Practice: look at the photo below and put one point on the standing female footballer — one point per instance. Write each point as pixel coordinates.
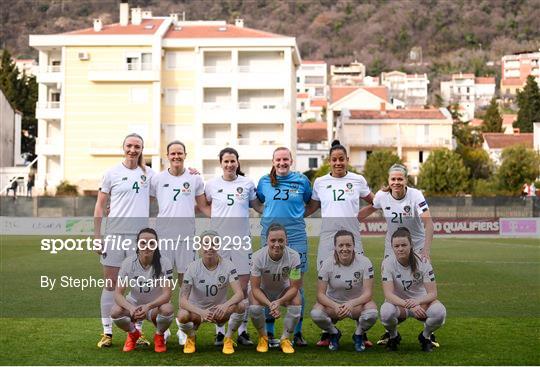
(127, 185)
(345, 289)
(409, 290)
(203, 296)
(403, 206)
(230, 196)
(150, 297)
(275, 282)
(177, 191)
(338, 194)
(284, 194)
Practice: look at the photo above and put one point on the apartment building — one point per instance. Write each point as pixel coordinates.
(207, 83)
(27, 66)
(411, 134)
(311, 88)
(469, 92)
(411, 89)
(516, 68)
(347, 74)
(495, 143)
(313, 146)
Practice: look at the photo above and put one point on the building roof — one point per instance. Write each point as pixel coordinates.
(311, 132)
(147, 27)
(501, 140)
(379, 91)
(484, 80)
(512, 81)
(313, 62)
(217, 31)
(302, 95)
(337, 93)
(318, 103)
(428, 114)
(463, 76)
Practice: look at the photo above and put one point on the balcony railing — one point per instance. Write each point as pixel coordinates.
(259, 141)
(129, 71)
(260, 69)
(215, 141)
(49, 105)
(261, 106)
(217, 69)
(53, 69)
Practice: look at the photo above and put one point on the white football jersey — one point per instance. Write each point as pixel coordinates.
(129, 191)
(275, 274)
(230, 205)
(403, 213)
(406, 284)
(131, 268)
(176, 200)
(345, 282)
(209, 287)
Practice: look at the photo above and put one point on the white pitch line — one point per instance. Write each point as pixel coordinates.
(488, 262)
(504, 244)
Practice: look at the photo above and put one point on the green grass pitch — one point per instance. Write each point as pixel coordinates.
(491, 289)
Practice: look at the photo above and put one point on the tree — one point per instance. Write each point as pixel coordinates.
(377, 165)
(477, 161)
(325, 168)
(519, 165)
(492, 119)
(443, 173)
(467, 135)
(529, 106)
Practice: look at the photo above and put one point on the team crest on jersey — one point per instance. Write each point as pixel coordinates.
(186, 188)
(221, 279)
(285, 271)
(357, 274)
(417, 276)
(239, 190)
(143, 178)
(349, 185)
(186, 185)
(407, 209)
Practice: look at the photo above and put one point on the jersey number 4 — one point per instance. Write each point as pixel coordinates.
(278, 196)
(135, 187)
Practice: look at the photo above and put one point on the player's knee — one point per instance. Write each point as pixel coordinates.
(117, 312)
(317, 314)
(240, 307)
(184, 317)
(436, 314)
(388, 313)
(166, 309)
(369, 316)
(294, 311)
(256, 311)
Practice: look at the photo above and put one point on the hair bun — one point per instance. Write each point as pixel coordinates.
(335, 142)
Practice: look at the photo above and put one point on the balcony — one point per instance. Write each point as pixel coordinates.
(374, 142)
(258, 148)
(51, 74)
(271, 112)
(250, 77)
(49, 146)
(421, 142)
(48, 110)
(218, 76)
(214, 112)
(127, 72)
(105, 147)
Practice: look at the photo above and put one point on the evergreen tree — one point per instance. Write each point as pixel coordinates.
(529, 106)
(376, 169)
(492, 119)
(519, 165)
(443, 173)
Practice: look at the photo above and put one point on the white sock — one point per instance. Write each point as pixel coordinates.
(187, 328)
(290, 321)
(220, 329)
(243, 325)
(389, 318)
(107, 302)
(321, 319)
(138, 325)
(257, 317)
(366, 321)
(234, 322)
(163, 323)
(125, 324)
(436, 315)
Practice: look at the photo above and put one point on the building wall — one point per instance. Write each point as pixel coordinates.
(7, 128)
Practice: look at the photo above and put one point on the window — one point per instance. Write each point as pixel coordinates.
(298, 79)
(312, 163)
(314, 80)
(421, 156)
(180, 60)
(319, 92)
(179, 97)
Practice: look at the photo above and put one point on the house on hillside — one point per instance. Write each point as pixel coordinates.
(516, 68)
(494, 143)
(411, 134)
(311, 88)
(312, 146)
(347, 74)
(207, 83)
(412, 89)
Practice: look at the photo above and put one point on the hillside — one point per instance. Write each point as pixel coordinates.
(454, 35)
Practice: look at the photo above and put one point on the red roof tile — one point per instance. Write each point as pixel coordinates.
(432, 114)
(337, 93)
(213, 31)
(512, 81)
(318, 103)
(484, 80)
(311, 132)
(117, 29)
(500, 140)
(381, 92)
(301, 95)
